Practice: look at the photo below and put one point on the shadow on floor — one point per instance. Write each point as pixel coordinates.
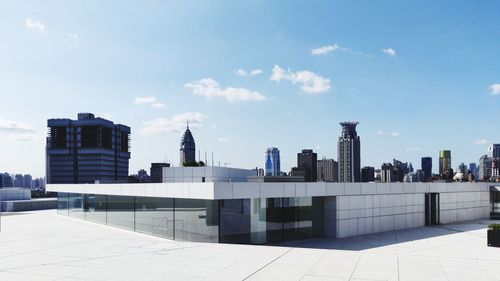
(369, 241)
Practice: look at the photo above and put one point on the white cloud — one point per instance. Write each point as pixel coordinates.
(256, 72)
(380, 133)
(326, 49)
(159, 105)
(72, 35)
(481, 142)
(34, 24)
(241, 72)
(175, 124)
(395, 134)
(144, 100)
(224, 139)
(311, 82)
(15, 127)
(390, 52)
(210, 88)
(495, 89)
(25, 137)
(413, 149)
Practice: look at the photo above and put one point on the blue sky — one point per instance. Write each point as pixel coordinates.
(419, 76)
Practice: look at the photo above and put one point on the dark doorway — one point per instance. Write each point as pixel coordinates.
(431, 209)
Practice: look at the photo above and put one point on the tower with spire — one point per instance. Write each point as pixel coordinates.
(188, 147)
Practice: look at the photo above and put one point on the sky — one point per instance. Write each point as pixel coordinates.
(419, 77)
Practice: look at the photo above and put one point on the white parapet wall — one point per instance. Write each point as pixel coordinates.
(394, 206)
(350, 209)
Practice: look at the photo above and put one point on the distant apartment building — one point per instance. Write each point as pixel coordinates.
(328, 170)
(156, 171)
(485, 168)
(27, 181)
(272, 162)
(87, 150)
(368, 174)
(349, 152)
(426, 166)
(445, 170)
(18, 180)
(307, 165)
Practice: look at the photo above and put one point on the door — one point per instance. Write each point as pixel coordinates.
(431, 209)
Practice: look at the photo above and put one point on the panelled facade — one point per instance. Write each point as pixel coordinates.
(87, 150)
(263, 213)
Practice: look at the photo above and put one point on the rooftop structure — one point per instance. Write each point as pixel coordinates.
(86, 150)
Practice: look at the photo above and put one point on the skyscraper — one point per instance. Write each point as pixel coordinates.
(86, 150)
(18, 180)
(427, 168)
(485, 164)
(188, 148)
(328, 170)
(494, 150)
(349, 153)
(273, 162)
(445, 170)
(27, 181)
(307, 160)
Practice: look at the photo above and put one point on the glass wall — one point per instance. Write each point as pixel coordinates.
(242, 221)
(271, 220)
(62, 203)
(75, 205)
(120, 211)
(155, 216)
(235, 221)
(196, 220)
(95, 208)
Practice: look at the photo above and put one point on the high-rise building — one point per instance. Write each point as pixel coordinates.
(402, 169)
(27, 181)
(349, 153)
(87, 150)
(494, 150)
(328, 170)
(427, 168)
(18, 180)
(307, 160)
(368, 174)
(389, 173)
(156, 171)
(445, 170)
(6, 180)
(485, 168)
(273, 162)
(474, 170)
(462, 168)
(188, 148)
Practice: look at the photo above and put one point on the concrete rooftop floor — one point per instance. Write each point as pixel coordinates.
(44, 246)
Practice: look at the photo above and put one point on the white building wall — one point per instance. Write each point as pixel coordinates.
(211, 174)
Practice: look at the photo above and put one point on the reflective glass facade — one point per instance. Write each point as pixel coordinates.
(242, 221)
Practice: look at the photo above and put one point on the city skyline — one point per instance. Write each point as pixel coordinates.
(414, 89)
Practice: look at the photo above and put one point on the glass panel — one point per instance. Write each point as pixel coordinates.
(121, 211)
(258, 220)
(196, 220)
(75, 203)
(95, 208)
(62, 203)
(155, 216)
(303, 218)
(235, 221)
(274, 222)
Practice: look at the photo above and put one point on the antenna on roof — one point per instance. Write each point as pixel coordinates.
(187, 122)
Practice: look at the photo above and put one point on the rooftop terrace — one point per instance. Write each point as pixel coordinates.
(44, 246)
